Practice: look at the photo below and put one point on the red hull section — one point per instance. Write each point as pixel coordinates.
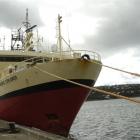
(52, 111)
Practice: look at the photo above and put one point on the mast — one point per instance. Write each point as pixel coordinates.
(17, 36)
(59, 35)
(4, 43)
(27, 24)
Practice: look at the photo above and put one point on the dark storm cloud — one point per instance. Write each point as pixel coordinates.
(12, 13)
(119, 27)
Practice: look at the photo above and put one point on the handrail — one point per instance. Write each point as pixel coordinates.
(50, 57)
(71, 53)
(66, 54)
(93, 55)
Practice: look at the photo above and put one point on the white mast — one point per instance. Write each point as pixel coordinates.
(59, 35)
(27, 20)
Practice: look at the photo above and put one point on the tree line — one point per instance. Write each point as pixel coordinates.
(129, 90)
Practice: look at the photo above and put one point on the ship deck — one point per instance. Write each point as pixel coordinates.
(17, 132)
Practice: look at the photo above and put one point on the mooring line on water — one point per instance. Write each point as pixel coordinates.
(88, 87)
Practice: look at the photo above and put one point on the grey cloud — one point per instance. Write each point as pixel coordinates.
(119, 28)
(12, 13)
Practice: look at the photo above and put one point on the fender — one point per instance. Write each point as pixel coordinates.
(85, 56)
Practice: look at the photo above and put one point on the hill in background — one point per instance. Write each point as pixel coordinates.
(129, 90)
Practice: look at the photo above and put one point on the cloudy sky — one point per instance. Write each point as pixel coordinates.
(109, 27)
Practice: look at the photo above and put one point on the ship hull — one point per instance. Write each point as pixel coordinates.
(52, 110)
(34, 99)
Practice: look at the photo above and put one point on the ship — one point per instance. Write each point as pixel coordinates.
(30, 97)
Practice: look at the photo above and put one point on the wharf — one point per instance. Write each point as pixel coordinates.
(11, 131)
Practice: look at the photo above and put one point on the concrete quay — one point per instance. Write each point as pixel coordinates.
(11, 131)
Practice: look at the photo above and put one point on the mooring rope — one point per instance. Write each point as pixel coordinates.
(128, 72)
(88, 87)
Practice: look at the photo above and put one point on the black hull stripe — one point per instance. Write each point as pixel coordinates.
(47, 87)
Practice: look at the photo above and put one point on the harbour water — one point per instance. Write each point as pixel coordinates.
(107, 120)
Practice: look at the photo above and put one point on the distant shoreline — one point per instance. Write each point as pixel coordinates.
(129, 90)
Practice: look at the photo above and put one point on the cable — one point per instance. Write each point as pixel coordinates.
(88, 87)
(131, 73)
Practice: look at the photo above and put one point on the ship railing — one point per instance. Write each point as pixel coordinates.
(76, 54)
(51, 56)
(91, 54)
